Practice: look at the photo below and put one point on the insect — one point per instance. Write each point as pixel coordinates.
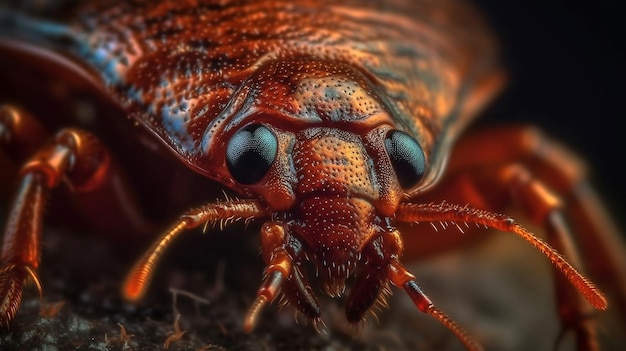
(334, 123)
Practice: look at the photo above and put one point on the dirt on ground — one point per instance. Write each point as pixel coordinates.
(499, 291)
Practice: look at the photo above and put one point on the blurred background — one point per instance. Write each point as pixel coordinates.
(567, 61)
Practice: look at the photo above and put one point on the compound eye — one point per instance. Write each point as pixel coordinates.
(407, 158)
(250, 153)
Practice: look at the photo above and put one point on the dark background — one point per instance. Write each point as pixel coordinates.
(567, 63)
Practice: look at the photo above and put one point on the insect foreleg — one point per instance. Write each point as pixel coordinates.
(74, 156)
(403, 279)
(520, 167)
(279, 266)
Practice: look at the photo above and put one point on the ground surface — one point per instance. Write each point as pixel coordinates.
(499, 291)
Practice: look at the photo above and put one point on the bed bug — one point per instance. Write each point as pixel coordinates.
(334, 123)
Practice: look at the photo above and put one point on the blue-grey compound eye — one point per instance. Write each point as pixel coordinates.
(250, 153)
(407, 158)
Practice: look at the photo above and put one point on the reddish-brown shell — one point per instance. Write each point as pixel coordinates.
(192, 71)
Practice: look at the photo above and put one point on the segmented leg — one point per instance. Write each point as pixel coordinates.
(564, 176)
(279, 267)
(547, 209)
(110, 207)
(401, 278)
(495, 169)
(282, 254)
(73, 155)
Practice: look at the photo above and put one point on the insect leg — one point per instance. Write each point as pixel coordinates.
(298, 292)
(110, 206)
(371, 285)
(519, 166)
(532, 194)
(601, 245)
(570, 310)
(401, 278)
(279, 266)
(280, 252)
(73, 155)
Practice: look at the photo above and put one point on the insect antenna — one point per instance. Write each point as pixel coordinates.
(448, 212)
(138, 279)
